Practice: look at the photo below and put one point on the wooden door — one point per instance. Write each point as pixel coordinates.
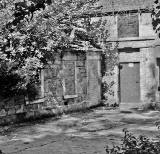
(129, 82)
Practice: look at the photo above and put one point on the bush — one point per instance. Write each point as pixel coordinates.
(135, 145)
(150, 106)
(13, 84)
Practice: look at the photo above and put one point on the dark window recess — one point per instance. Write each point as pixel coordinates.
(128, 50)
(158, 64)
(128, 25)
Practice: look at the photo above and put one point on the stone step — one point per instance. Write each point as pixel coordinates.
(129, 107)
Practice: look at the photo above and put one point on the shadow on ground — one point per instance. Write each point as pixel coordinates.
(78, 133)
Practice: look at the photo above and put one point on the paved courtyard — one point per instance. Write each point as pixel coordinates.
(78, 133)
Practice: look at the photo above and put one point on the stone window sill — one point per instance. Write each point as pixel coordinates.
(41, 100)
(70, 96)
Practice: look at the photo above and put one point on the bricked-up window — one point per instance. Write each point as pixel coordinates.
(128, 25)
(70, 78)
(158, 64)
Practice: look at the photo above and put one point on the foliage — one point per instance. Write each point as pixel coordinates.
(135, 145)
(156, 17)
(33, 32)
(110, 60)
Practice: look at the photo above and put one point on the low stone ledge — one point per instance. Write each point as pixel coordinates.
(46, 113)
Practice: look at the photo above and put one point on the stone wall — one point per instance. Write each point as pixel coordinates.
(72, 83)
(65, 81)
(146, 55)
(149, 73)
(12, 106)
(51, 90)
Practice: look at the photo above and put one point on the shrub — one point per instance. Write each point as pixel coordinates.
(135, 145)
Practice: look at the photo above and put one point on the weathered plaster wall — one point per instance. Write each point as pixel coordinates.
(157, 55)
(145, 25)
(126, 56)
(148, 75)
(156, 49)
(93, 77)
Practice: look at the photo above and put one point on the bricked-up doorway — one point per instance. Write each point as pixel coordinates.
(129, 82)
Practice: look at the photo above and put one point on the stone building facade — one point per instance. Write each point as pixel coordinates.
(137, 77)
(76, 77)
(72, 82)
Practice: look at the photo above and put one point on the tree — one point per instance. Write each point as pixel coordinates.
(34, 31)
(156, 17)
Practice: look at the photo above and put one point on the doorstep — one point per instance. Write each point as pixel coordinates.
(129, 106)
